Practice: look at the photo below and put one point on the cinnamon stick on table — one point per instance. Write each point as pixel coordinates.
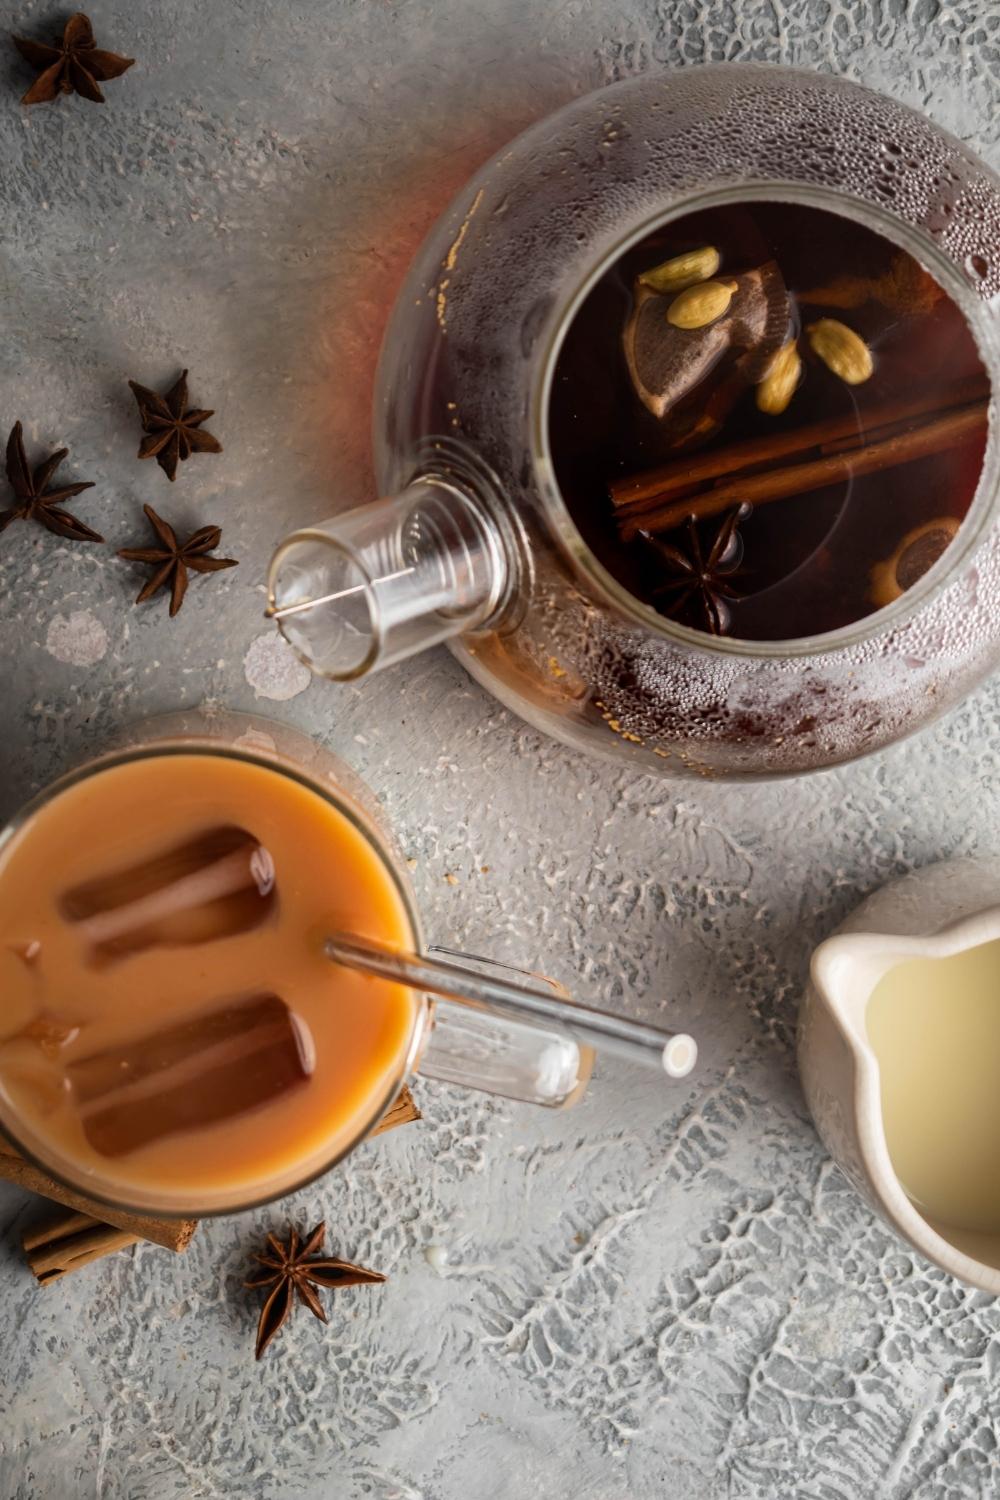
(172, 1234)
(400, 1112)
(91, 1229)
(69, 1242)
(761, 469)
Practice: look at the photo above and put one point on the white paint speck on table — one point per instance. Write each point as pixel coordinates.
(668, 1292)
(273, 670)
(79, 639)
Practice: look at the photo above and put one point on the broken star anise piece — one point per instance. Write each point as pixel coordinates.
(35, 501)
(173, 431)
(289, 1269)
(698, 581)
(172, 559)
(72, 66)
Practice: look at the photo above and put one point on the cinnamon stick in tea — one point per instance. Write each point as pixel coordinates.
(764, 487)
(653, 488)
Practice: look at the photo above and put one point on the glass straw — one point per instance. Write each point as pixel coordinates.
(674, 1052)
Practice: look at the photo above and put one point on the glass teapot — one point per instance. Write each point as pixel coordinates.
(473, 542)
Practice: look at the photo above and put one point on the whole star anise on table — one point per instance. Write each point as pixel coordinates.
(73, 65)
(698, 580)
(173, 431)
(35, 501)
(172, 558)
(295, 1268)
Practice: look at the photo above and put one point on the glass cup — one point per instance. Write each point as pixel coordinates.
(483, 1050)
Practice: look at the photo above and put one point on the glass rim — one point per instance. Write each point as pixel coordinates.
(390, 862)
(985, 503)
(316, 536)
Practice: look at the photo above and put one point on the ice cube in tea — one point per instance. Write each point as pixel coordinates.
(217, 883)
(204, 1071)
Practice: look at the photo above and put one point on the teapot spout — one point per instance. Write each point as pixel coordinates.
(382, 582)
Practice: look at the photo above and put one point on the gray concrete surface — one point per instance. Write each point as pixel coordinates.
(666, 1293)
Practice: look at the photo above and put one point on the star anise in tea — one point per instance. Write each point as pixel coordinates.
(71, 66)
(697, 582)
(296, 1268)
(35, 501)
(173, 429)
(172, 559)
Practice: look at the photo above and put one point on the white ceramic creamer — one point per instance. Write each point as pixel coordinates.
(934, 913)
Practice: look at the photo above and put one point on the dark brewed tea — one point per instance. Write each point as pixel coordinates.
(768, 421)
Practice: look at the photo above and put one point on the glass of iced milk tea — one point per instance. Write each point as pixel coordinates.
(173, 1036)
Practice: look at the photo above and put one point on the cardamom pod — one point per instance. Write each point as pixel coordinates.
(682, 270)
(700, 305)
(841, 350)
(781, 377)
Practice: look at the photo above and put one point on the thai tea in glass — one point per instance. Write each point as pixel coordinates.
(175, 1037)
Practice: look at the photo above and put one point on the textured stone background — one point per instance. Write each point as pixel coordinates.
(669, 1292)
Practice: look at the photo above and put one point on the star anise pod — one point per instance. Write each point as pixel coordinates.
(173, 431)
(35, 501)
(291, 1268)
(172, 558)
(700, 580)
(71, 66)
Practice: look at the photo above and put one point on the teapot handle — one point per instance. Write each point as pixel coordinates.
(367, 588)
